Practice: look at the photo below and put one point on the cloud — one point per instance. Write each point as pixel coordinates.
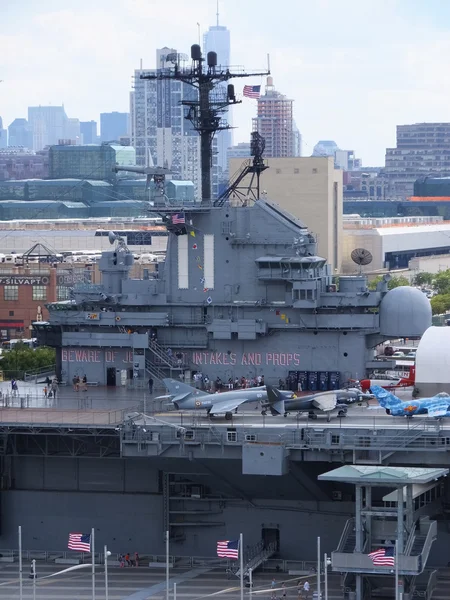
(355, 69)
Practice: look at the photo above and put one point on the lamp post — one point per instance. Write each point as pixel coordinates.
(33, 570)
(326, 564)
(106, 553)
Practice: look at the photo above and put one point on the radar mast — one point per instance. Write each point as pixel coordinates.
(206, 111)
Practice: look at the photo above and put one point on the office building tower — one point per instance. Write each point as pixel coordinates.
(48, 125)
(297, 140)
(88, 130)
(422, 149)
(73, 132)
(325, 148)
(160, 132)
(217, 39)
(3, 135)
(275, 122)
(20, 134)
(113, 125)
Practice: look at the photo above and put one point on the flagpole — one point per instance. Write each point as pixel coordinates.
(241, 557)
(167, 565)
(20, 564)
(318, 568)
(396, 569)
(93, 561)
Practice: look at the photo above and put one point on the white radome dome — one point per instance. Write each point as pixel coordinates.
(433, 357)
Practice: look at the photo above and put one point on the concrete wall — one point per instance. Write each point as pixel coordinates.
(310, 189)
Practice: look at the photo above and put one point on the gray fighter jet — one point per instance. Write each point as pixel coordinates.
(335, 401)
(185, 397)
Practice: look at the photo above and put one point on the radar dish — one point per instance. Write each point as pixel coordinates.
(361, 257)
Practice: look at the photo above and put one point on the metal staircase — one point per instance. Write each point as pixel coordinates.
(160, 365)
(254, 557)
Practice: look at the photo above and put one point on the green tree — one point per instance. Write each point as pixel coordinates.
(393, 283)
(440, 304)
(441, 282)
(424, 279)
(21, 359)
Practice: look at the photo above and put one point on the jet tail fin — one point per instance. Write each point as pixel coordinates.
(177, 388)
(276, 401)
(385, 398)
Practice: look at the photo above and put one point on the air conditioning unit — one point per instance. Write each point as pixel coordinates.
(336, 496)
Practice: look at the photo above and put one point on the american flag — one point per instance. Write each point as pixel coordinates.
(383, 557)
(228, 549)
(252, 91)
(80, 542)
(178, 219)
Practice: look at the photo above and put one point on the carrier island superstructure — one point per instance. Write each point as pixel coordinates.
(241, 292)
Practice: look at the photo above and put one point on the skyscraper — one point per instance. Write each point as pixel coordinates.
(159, 132)
(217, 39)
(422, 149)
(88, 130)
(20, 134)
(48, 125)
(275, 122)
(3, 135)
(113, 125)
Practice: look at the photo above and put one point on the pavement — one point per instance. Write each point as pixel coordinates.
(144, 583)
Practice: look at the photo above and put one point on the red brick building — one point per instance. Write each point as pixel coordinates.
(24, 291)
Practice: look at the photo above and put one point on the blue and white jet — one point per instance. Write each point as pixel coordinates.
(437, 406)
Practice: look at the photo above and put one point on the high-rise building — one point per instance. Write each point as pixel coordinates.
(88, 130)
(297, 140)
(159, 131)
(325, 148)
(275, 122)
(20, 134)
(217, 39)
(113, 125)
(422, 149)
(48, 125)
(3, 135)
(72, 132)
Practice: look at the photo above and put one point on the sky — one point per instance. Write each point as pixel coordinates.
(355, 68)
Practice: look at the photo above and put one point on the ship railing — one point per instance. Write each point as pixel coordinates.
(349, 526)
(432, 582)
(63, 417)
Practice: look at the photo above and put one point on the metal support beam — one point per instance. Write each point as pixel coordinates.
(409, 508)
(358, 519)
(369, 513)
(400, 523)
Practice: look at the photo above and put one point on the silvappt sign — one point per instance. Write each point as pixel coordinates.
(24, 280)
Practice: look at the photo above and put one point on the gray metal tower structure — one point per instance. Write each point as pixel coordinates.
(206, 112)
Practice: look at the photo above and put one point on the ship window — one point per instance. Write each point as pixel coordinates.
(264, 265)
(335, 439)
(231, 436)
(296, 171)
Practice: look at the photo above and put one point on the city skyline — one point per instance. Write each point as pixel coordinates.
(353, 73)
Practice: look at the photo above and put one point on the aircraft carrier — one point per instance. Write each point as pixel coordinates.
(242, 292)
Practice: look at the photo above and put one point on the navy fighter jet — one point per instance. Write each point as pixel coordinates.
(315, 404)
(185, 397)
(437, 406)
